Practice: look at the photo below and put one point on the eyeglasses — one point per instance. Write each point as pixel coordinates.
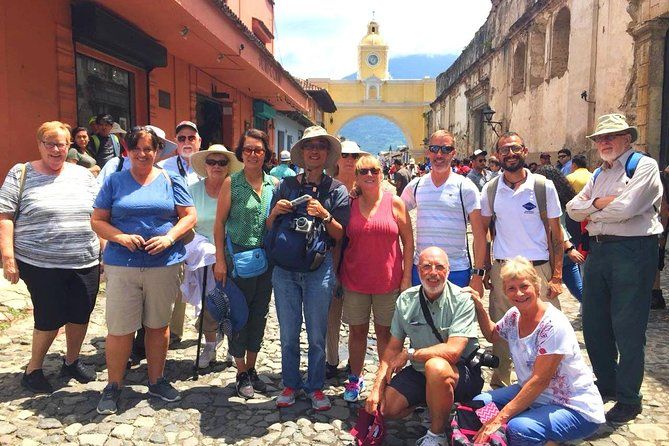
(510, 149)
(182, 138)
(221, 163)
(427, 267)
(253, 150)
(607, 138)
(311, 145)
(366, 170)
(444, 149)
(51, 145)
(355, 156)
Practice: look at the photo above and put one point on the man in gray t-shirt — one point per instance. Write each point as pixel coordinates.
(401, 177)
(479, 175)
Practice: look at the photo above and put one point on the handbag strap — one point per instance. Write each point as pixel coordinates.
(22, 185)
(427, 315)
(464, 217)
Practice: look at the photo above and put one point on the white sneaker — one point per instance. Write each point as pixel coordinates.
(207, 355)
(431, 439)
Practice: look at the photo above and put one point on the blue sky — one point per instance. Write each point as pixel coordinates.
(319, 38)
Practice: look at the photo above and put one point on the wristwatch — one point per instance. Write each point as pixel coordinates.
(410, 353)
(566, 251)
(171, 240)
(327, 219)
(478, 272)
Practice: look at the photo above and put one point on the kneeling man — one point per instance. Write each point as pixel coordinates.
(440, 321)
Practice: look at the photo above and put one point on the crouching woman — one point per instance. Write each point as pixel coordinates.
(555, 398)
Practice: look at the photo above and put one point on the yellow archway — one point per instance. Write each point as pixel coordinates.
(403, 102)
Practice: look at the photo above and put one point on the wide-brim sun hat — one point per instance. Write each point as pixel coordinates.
(313, 132)
(169, 147)
(613, 123)
(116, 128)
(198, 160)
(352, 147)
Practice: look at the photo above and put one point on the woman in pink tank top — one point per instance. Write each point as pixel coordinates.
(374, 268)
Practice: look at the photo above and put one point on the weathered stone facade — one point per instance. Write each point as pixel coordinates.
(548, 68)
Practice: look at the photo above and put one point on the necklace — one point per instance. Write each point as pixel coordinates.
(512, 184)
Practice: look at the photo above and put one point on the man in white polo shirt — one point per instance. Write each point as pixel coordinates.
(445, 202)
(520, 230)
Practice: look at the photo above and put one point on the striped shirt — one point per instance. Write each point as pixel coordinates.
(439, 219)
(53, 229)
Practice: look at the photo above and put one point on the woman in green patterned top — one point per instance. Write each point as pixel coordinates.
(240, 215)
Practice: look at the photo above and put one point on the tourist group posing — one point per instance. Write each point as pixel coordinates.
(331, 244)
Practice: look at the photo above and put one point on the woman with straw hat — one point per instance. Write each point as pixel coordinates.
(214, 165)
(310, 292)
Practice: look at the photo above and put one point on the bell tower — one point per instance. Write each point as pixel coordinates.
(373, 54)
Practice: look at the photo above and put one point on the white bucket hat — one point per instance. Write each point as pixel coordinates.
(169, 147)
(284, 156)
(316, 131)
(198, 160)
(352, 147)
(613, 123)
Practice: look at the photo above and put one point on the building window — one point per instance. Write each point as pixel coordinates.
(537, 56)
(104, 88)
(518, 82)
(281, 139)
(560, 44)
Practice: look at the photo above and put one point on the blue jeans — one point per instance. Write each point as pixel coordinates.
(459, 278)
(540, 423)
(313, 292)
(571, 276)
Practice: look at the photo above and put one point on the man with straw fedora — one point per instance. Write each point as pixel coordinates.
(620, 204)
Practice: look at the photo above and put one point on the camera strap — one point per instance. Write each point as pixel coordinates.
(427, 315)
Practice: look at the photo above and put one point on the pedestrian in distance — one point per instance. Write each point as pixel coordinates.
(103, 145)
(374, 269)
(77, 153)
(564, 158)
(401, 177)
(479, 175)
(579, 175)
(555, 398)
(438, 317)
(283, 169)
(526, 211)
(143, 213)
(620, 203)
(304, 285)
(47, 241)
(445, 203)
(214, 165)
(345, 172)
(243, 206)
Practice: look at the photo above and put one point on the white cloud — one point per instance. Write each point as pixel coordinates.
(319, 38)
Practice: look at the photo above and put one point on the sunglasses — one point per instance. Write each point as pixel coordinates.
(355, 156)
(443, 149)
(316, 146)
(221, 163)
(253, 150)
(509, 149)
(182, 138)
(366, 170)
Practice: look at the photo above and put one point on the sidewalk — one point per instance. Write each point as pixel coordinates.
(210, 414)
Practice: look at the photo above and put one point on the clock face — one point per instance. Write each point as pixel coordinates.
(372, 59)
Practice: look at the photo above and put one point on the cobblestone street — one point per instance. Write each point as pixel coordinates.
(210, 413)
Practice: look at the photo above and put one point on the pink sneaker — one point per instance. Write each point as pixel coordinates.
(319, 401)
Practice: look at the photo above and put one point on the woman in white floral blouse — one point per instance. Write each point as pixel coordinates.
(555, 398)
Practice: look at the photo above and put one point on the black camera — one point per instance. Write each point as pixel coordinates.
(482, 358)
(302, 224)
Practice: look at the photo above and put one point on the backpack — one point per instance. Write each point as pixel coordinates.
(539, 193)
(630, 165)
(297, 241)
(370, 429)
(466, 424)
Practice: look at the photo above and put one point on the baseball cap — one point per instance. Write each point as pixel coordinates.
(478, 152)
(183, 124)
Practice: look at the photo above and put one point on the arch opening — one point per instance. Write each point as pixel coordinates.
(374, 133)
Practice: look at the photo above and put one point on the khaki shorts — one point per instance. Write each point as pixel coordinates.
(141, 296)
(358, 306)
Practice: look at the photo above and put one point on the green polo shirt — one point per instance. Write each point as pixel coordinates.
(453, 314)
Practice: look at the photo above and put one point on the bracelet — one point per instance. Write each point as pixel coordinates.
(568, 250)
(327, 219)
(171, 240)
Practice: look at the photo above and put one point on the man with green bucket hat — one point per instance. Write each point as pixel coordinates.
(620, 204)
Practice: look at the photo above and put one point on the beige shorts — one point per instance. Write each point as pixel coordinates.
(141, 296)
(358, 306)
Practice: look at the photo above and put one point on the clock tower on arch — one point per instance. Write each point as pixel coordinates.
(373, 55)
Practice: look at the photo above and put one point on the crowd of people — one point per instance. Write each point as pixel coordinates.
(317, 230)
